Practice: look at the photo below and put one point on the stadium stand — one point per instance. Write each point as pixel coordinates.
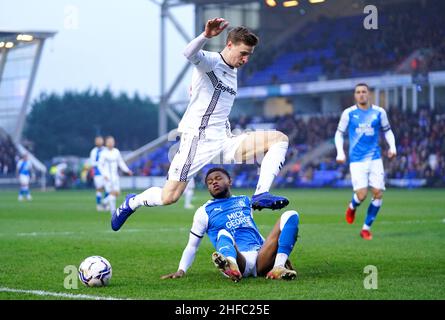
(419, 137)
(327, 48)
(8, 155)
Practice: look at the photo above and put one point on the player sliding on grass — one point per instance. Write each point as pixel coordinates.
(241, 251)
(205, 129)
(365, 122)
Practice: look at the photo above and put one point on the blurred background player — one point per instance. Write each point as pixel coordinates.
(188, 194)
(97, 176)
(109, 162)
(364, 122)
(205, 128)
(241, 250)
(24, 172)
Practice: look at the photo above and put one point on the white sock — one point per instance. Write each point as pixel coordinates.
(188, 195)
(232, 259)
(280, 260)
(112, 202)
(271, 165)
(366, 227)
(152, 197)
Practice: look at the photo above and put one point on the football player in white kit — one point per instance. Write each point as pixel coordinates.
(364, 122)
(205, 129)
(24, 172)
(98, 178)
(109, 162)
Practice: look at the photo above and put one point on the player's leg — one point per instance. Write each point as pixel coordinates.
(99, 185)
(226, 255)
(21, 189)
(377, 183)
(269, 148)
(274, 254)
(193, 154)
(188, 195)
(359, 178)
(24, 187)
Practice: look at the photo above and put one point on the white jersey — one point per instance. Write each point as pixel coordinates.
(213, 91)
(109, 162)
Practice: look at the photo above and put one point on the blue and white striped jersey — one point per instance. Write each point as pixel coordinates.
(364, 127)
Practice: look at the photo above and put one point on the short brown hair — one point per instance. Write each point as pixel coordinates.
(242, 34)
(361, 84)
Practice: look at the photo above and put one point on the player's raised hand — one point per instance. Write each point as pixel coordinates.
(214, 27)
(391, 154)
(177, 274)
(341, 159)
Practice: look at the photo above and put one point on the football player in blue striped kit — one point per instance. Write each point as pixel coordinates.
(24, 171)
(99, 182)
(364, 122)
(241, 251)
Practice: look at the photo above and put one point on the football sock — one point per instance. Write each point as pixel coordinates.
(355, 202)
(270, 166)
(112, 202)
(289, 222)
(188, 195)
(98, 197)
(373, 209)
(224, 245)
(151, 197)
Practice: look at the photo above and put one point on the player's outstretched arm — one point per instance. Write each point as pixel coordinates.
(341, 157)
(188, 256)
(214, 27)
(391, 140)
(174, 275)
(193, 51)
(341, 129)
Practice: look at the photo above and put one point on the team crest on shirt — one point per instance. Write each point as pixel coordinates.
(241, 203)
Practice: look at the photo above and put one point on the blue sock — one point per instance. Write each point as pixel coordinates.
(21, 192)
(355, 202)
(373, 209)
(224, 245)
(98, 197)
(289, 232)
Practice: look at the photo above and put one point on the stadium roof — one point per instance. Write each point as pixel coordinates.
(202, 2)
(12, 35)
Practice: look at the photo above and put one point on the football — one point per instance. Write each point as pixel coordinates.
(95, 271)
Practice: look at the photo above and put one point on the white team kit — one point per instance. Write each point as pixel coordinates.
(205, 129)
(364, 127)
(109, 162)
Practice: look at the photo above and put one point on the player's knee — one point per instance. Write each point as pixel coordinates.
(362, 196)
(378, 194)
(291, 216)
(170, 198)
(280, 137)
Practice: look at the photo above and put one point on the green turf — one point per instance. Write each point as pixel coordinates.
(38, 239)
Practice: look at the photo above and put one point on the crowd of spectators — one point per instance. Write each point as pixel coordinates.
(419, 136)
(8, 155)
(342, 48)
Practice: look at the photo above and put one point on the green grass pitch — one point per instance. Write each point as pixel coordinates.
(39, 238)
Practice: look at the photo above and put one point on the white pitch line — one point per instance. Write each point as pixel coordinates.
(57, 294)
